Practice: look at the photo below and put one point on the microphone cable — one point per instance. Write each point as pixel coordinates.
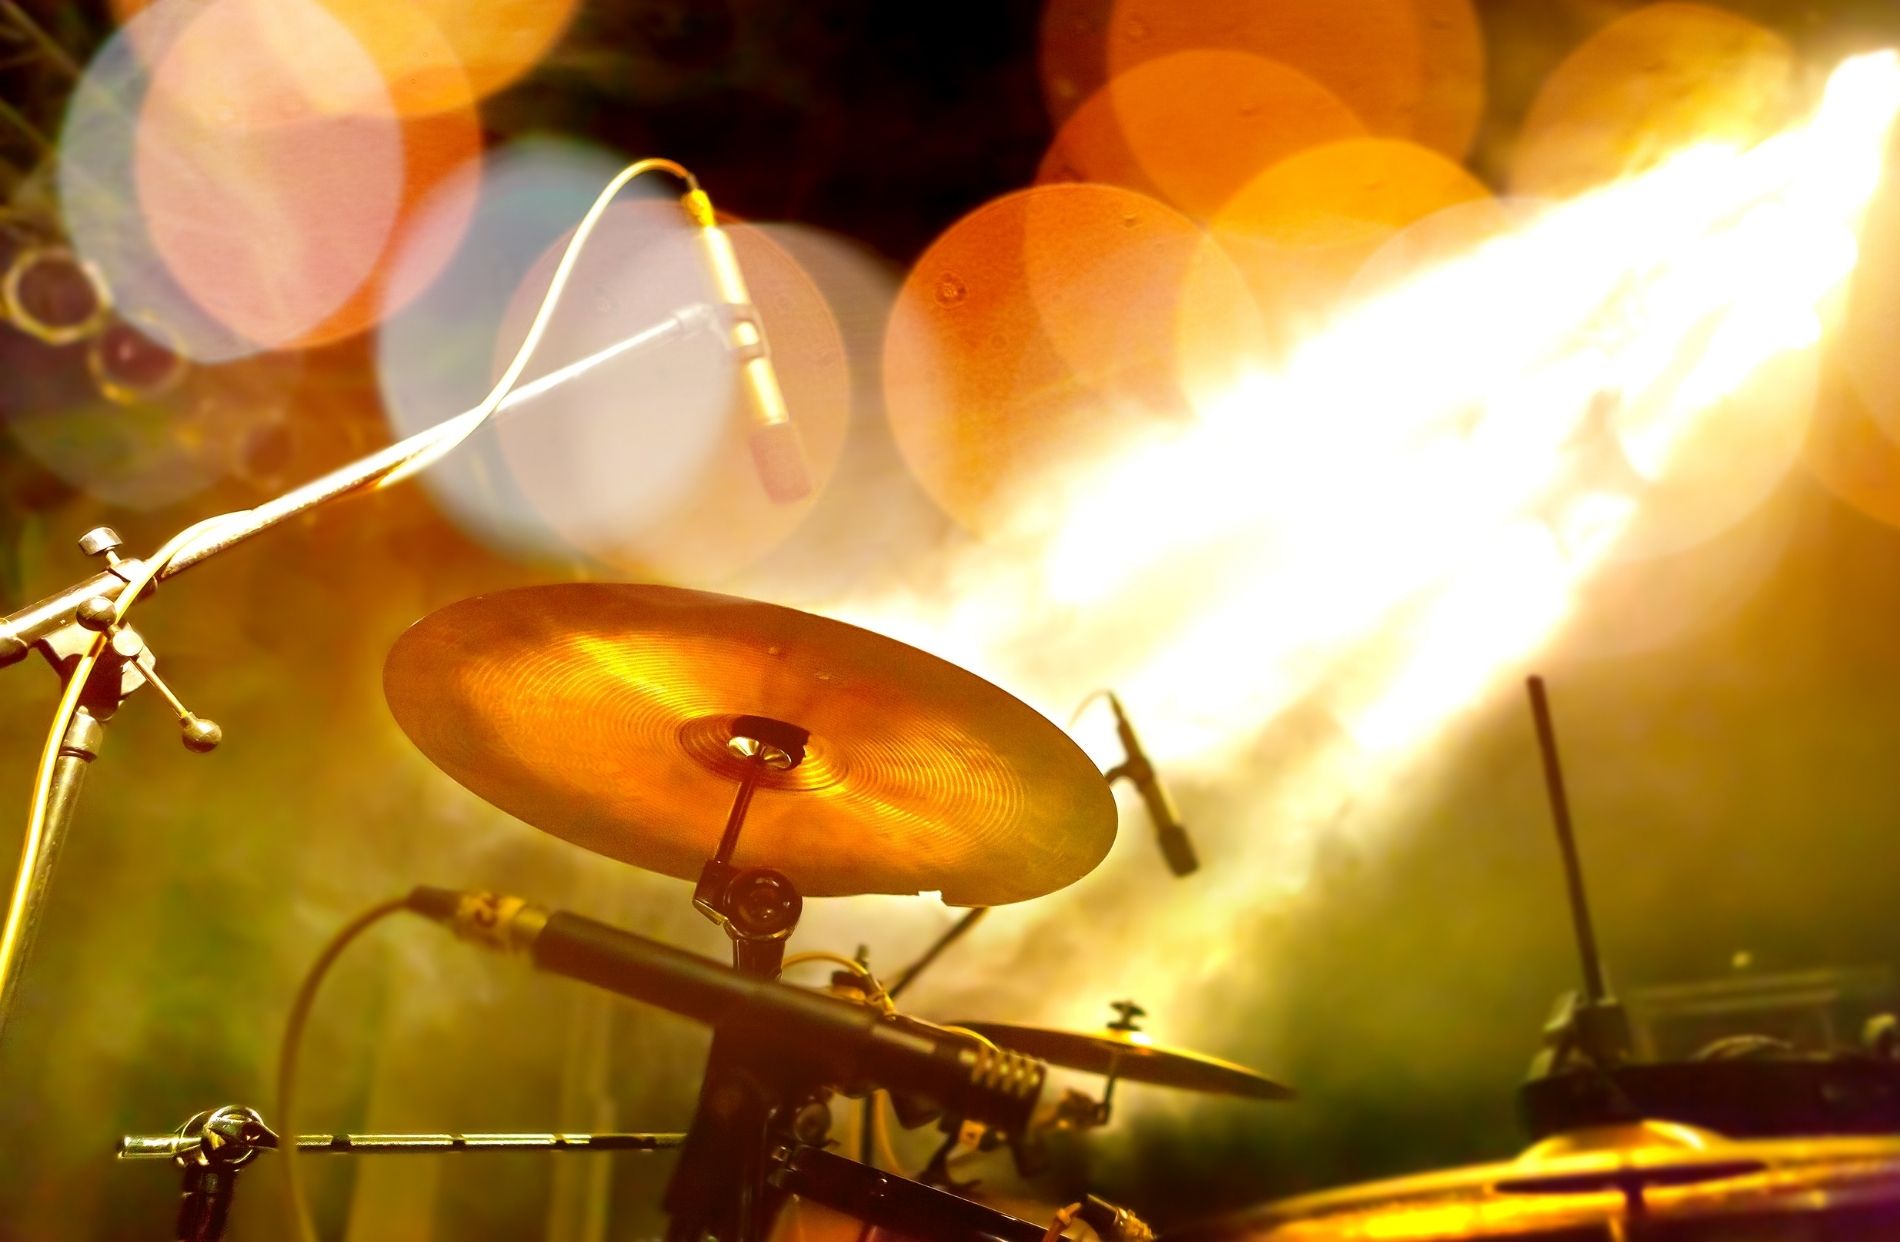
(294, 1024)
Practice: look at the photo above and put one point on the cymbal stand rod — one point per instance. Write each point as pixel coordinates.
(970, 919)
(1595, 989)
(741, 803)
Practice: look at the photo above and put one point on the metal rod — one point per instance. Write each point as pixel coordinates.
(168, 1146)
(1595, 990)
(28, 625)
(741, 802)
(76, 753)
(950, 937)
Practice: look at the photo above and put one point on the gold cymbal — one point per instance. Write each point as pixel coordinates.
(602, 713)
(1132, 1057)
(1692, 1182)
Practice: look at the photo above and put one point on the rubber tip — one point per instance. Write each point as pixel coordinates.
(778, 452)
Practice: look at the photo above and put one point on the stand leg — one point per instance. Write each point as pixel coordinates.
(717, 1185)
(206, 1204)
(76, 753)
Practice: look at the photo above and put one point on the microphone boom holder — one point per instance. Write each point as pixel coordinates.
(214, 1146)
(63, 625)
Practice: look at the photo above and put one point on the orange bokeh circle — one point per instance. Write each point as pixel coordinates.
(1192, 128)
(439, 55)
(1302, 229)
(1407, 68)
(1044, 328)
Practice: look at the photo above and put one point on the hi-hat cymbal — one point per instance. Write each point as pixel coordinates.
(1668, 1180)
(601, 713)
(1131, 1056)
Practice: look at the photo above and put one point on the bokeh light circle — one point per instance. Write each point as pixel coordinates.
(1408, 68)
(239, 196)
(434, 355)
(269, 184)
(1871, 324)
(644, 463)
(1041, 329)
(1648, 84)
(1301, 230)
(1134, 296)
(1192, 128)
(138, 448)
(440, 54)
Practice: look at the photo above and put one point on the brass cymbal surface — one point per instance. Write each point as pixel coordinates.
(602, 713)
(1681, 1182)
(1132, 1057)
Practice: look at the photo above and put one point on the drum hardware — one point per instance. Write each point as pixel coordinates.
(778, 1053)
(1590, 1029)
(1646, 1180)
(914, 1210)
(1584, 1074)
(757, 907)
(1122, 1051)
(213, 1146)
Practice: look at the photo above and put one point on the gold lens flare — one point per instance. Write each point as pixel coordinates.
(1417, 491)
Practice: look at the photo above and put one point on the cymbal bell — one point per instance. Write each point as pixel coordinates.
(1131, 1056)
(606, 714)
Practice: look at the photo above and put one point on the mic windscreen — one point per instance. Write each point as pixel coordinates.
(1178, 850)
(778, 453)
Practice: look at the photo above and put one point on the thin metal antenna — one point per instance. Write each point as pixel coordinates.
(1595, 990)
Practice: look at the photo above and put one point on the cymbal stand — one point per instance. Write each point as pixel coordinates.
(1590, 1026)
(749, 1106)
(213, 1146)
(65, 624)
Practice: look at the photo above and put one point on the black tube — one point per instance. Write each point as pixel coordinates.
(836, 1042)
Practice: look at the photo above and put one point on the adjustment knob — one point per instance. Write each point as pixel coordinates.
(101, 541)
(201, 735)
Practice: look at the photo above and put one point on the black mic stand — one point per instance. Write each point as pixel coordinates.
(63, 626)
(227, 1140)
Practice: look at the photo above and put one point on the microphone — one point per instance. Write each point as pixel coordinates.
(1169, 832)
(837, 1042)
(778, 452)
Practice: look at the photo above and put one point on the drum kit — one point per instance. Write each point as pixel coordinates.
(626, 718)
